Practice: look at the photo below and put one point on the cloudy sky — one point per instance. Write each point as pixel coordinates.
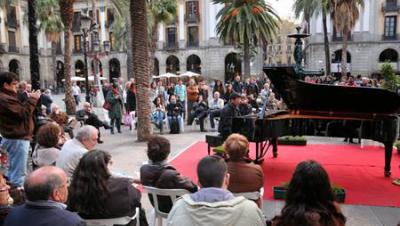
(283, 7)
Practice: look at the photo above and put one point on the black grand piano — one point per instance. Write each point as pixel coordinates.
(323, 110)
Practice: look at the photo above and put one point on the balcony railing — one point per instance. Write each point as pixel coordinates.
(390, 6)
(390, 38)
(13, 49)
(3, 48)
(12, 22)
(192, 18)
(171, 46)
(340, 38)
(193, 44)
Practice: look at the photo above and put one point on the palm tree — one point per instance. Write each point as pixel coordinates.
(345, 14)
(33, 45)
(161, 11)
(246, 23)
(48, 12)
(67, 14)
(307, 8)
(141, 66)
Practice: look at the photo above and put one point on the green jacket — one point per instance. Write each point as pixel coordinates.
(116, 106)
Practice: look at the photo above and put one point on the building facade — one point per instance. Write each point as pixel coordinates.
(375, 39)
(14, 45)
(190, 43)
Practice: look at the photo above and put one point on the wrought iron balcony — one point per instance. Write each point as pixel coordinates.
(391, 37)
(171, 46)
(390, 6)
(192, 18)
(193, 43)
(13, 49)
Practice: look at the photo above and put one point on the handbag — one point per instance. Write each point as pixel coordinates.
(107, 105)
(127, 119)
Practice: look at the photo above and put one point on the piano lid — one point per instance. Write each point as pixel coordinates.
(299, 95)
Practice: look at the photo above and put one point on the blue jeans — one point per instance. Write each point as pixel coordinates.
(17, 159)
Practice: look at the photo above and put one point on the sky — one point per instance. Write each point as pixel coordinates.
(283, 8)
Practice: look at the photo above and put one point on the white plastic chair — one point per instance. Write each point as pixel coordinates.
(174, 194)
(114, 221)
(254, 196)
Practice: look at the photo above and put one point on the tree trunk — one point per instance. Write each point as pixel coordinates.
(33, 45)
(344, 53)
(54, 61)
(130, 54)
(326, 43)
(141, 67)
(246, 60)
(69, 99)
(153, 45)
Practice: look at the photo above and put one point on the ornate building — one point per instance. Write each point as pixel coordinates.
(14, 45)
(190, 43)
(374, 40)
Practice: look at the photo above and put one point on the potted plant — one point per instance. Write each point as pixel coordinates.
(292, 140)
(281, 190)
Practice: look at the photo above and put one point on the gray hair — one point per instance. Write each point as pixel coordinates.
(85, 133)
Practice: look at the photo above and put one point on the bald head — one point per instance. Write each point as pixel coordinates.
(45, 184)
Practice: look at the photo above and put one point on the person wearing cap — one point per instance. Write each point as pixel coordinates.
(229, 111)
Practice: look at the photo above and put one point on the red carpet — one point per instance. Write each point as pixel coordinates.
(359, 171)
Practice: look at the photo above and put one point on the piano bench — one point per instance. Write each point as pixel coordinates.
(213, 141)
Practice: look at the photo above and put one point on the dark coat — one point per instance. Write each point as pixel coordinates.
(225, 124)
(16, 118)
(116, 106)
(122, 201)
(130, 101)
(237, 86)
(91, 119)
(42, 215)
(162, 175)
(46, 101)
(174, 109)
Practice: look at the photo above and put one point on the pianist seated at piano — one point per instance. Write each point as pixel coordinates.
(310, 199)
(245, 176)
(229, 111)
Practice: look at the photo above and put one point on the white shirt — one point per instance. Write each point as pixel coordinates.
(69, 156)
(217, 104)
(76, 91)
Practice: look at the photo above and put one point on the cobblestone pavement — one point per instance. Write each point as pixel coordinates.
(128, 155)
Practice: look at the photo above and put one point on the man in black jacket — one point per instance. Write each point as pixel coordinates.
(227, 113)
(88, 117)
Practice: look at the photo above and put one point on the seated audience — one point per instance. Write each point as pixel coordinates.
(46, 152)
(46, 191)
(158, 113)
(95, 194)
(213, 204)
(310, 200)
(216, 106)
(229, 111)
(245, 176)
(61, 118)
(199, 111)
(174, 113)
(89, 117)
(73, 150)
(158, 173)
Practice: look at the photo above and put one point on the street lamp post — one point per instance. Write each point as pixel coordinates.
(86, 24)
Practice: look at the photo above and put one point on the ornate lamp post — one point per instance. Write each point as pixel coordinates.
(86, 26)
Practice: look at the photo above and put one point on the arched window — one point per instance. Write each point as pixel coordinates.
(389, 55)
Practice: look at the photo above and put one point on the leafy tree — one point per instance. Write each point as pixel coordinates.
(246, 23)
(392, 81)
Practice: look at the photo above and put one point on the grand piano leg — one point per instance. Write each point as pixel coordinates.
(388, 158)
(274, 142)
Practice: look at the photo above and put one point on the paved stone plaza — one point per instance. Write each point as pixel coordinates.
(128, 155)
